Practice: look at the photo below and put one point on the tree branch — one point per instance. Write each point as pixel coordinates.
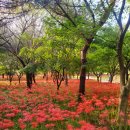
(66, 15)
(91, 12)
(106, 13)
(120, 14)
(56, 19)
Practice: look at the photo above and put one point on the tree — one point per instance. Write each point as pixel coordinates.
(126, 55)
(125, 86)
(106, 39)
(83, 16)
(8, 66)
(86, 18)
(58, 50)
(13, 40)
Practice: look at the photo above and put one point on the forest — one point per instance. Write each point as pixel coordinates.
(64, 65)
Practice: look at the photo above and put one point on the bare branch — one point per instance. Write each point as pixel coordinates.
(106, 13)
(91, 12)
(120, 14)
(56, 19)
(66, 15)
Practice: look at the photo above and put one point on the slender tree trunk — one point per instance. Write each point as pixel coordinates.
(58, 86)
(66, 79)
(19, 77)
(29, 80)
(47, 77)
(123, 107)
(33, 77)
(58, 81)
(124, 90)
(3, 76)
(83, 68)
(98, 77)
(126, 74)
(44, 75)
(111, 78)
(123, 100)
(10, 78)
(7, 77)
(77, 75)
(88, 75)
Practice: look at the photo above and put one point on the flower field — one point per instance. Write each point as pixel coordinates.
(43, 108)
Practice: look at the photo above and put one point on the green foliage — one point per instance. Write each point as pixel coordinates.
(60, 49)
(126, 47)
(101, 59)
(30, 68)
(96, 56)
(25, 37)
(2, 69)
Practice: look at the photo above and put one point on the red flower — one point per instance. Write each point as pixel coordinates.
(70, 127)
(34, 124)
(50, 125)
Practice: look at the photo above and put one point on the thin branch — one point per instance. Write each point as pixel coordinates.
(127, 25)
(56, 19)
(74, 8)
(106, 13)
(91, 12)
(120, 14)
(102, 3)
(66, 15)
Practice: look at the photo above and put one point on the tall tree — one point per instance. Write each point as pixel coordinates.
(83, 16)
(13, 38)
(125, 85)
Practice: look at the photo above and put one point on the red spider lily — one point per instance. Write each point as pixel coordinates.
(22, 126)
(10, 115)
(86, 126)
(49, 125)
(70, 127)
(43, 106)
(34, 124)
(104, 114)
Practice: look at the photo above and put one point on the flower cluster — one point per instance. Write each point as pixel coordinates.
(43, 108)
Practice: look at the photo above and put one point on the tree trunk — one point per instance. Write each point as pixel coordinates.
(77, 76)
(10, 78)
(7, 77)
(3, 76)
(58, 86)
(126, 74)
(47, 77)
(66, 80)
(29, 80)
(124, 91)
(83, 68)
(98, 77)
(33, 77)
(123, 105)
(88, 75)
(111, 78)
(19, 77)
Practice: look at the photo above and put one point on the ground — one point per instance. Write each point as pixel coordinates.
(43, 108)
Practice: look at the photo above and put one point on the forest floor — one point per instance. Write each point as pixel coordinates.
(39, 78)
(45, 108)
